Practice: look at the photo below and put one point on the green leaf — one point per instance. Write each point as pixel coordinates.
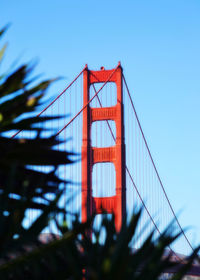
(4, 29)
(2, 51)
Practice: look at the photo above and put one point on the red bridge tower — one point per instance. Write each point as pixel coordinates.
(116, 154)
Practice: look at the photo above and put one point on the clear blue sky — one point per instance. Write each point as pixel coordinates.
(158, 44)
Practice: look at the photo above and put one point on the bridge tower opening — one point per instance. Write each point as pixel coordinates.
(115, 154)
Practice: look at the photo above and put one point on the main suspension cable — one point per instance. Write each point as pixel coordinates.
(110, 76)
(50, 104)
(134, 185)
(151, 158)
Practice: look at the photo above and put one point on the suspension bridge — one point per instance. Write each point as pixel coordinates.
(116, 172)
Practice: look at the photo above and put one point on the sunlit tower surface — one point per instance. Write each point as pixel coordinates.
(115, 204)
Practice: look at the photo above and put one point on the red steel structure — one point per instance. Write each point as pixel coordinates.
(143, 184)
(115, 154)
